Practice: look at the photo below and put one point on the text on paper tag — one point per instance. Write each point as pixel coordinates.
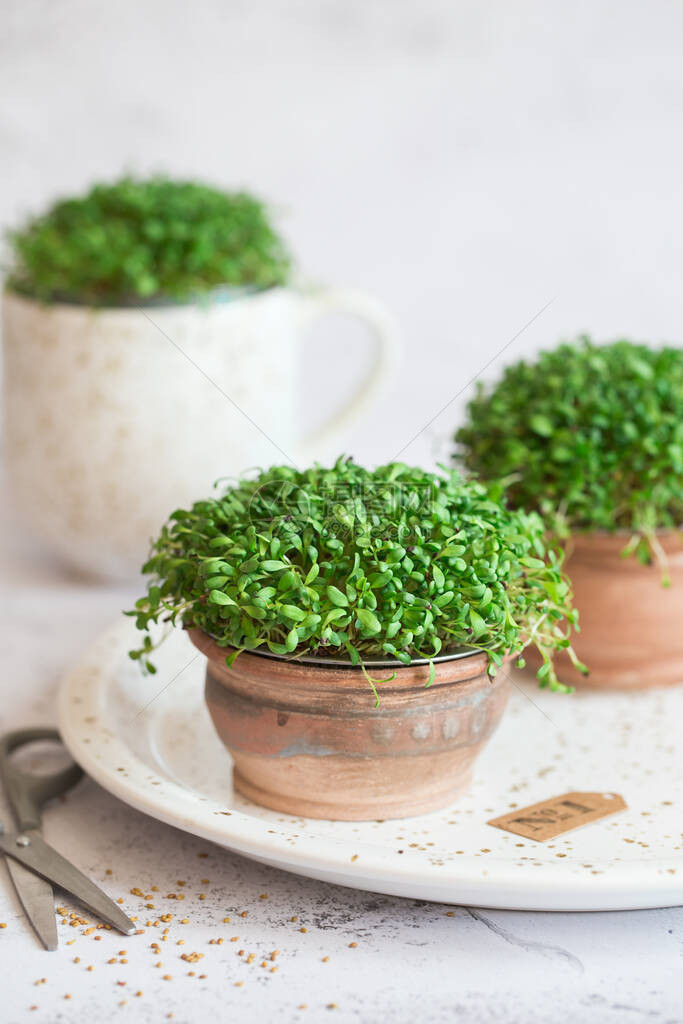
(551, 818)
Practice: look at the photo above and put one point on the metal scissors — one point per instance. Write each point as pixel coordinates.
(34, 866)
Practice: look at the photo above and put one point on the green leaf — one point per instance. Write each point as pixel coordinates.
(218, 597)
(336, 597)
(312, 573)
(541, 425)
(254, 612)
(290, 611)
(215, 582)
(477, 623)
(292, 639)
(368, 620)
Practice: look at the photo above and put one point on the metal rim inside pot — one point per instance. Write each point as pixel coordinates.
(322, 661)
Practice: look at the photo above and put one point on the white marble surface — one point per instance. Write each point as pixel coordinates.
(413, 961)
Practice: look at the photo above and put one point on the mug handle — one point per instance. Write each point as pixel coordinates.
(321, 302)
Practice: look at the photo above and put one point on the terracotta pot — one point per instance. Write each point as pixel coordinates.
(631, 627)
(308, 740)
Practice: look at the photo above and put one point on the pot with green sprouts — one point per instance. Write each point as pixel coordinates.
(591, 436)
(139, 320)
(358, 626)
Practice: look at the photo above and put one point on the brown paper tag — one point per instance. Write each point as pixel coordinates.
(560, 814)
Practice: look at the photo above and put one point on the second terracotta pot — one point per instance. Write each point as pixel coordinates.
(631, 626)
(308, 740)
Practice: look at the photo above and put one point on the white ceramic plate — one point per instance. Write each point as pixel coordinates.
(166, 761)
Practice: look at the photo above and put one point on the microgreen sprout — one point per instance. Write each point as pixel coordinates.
(589, 435)
(395, 563)
(147, 239)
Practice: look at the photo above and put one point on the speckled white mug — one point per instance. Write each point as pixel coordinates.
(116, 416)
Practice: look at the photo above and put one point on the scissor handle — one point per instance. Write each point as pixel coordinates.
(26, 791)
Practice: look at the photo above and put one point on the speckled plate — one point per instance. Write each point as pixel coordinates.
(150, 742)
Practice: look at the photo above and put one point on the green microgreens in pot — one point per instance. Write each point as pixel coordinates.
(147, 239)
(589, 435)
(393, 562)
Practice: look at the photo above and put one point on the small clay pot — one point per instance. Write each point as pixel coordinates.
(308, 740)
(631, 626)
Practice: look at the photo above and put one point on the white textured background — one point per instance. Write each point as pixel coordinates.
(466, 162)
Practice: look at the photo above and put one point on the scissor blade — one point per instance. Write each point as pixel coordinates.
(38, 901)
(38, 856)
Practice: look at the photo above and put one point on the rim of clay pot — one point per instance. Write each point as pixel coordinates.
(454, 654)
(661, 531)
(671, 539)
(222, 295)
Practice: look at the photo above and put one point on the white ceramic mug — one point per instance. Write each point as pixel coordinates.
(117, 416)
